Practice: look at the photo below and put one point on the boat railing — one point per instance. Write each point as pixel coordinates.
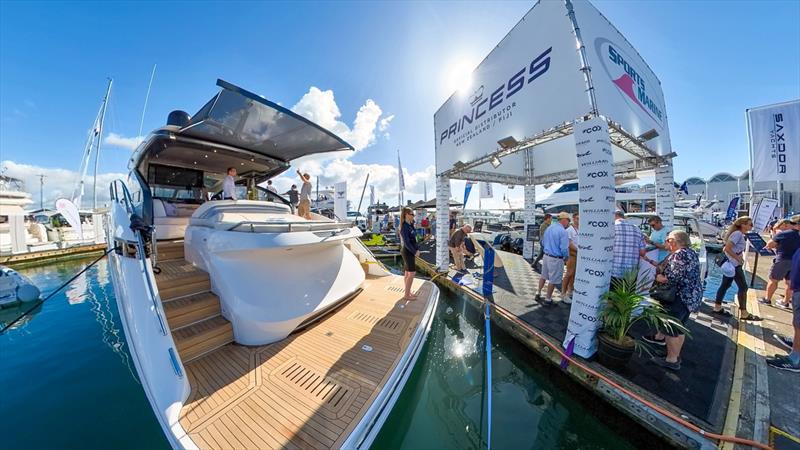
(127, 201)
(287, 227)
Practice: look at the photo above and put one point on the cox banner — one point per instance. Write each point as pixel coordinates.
(775, 141)
(596, 236)
(665, 195)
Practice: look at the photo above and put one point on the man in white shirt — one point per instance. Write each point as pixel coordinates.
(271, 188)
(229, 185)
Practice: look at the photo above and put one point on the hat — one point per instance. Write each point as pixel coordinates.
(619, 212)
(795, 219)
(563, 215)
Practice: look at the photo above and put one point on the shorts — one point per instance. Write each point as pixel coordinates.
(409, 261)
(572, 262)
(780, 270)
(680, 312)
(552, 269)
(303, 208)
(796, 308)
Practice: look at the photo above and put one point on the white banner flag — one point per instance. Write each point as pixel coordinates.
(340, 200)
(486, 190)
(775, 141)
(70, 213)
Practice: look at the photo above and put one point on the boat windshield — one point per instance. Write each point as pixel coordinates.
(245, 120)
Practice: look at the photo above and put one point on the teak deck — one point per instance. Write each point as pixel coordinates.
(311, 389)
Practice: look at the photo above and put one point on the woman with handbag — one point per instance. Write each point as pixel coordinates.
(734, 250)
(681, 293)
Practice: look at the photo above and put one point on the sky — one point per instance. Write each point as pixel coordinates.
(373, 72)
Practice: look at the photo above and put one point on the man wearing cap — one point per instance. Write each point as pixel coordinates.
(785, 242)
(629, 246)
(556, 251)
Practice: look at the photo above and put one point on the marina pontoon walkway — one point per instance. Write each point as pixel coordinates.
(311, 389)
(699, 390)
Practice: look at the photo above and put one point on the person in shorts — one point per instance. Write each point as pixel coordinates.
(791, 362)
(556, 251)
(784, 242)
(409, 251)
(458, 247)
(304, 205)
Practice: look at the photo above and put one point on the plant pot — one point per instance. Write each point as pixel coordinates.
(613, 354)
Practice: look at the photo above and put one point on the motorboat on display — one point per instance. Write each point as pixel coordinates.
(250, 326)
(682, 221)
(18, 234)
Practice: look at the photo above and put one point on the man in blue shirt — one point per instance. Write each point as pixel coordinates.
(784, 243)
(556, 251)
(791, 362)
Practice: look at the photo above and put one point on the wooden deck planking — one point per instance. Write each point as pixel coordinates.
(309, 390)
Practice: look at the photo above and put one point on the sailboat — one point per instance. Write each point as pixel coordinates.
(250, 326)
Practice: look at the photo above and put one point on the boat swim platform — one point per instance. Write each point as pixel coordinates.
(700, 393)
(311, 389)
(37, 258)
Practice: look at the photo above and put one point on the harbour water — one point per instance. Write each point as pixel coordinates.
(68, 382)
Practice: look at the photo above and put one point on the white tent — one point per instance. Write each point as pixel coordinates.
(563, 96)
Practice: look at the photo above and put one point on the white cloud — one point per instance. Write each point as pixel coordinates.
(320, 107)
(115, 140)
(58, 183)
(383, 125)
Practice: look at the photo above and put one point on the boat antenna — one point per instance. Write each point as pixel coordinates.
(41, 190)
(362, 193)
(99, 141)
(146, 97)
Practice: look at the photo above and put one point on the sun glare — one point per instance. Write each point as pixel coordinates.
(459, 76)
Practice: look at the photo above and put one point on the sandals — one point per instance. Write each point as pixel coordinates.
(751, 317)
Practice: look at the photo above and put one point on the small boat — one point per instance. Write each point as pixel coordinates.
(250, 326)
(16, 288)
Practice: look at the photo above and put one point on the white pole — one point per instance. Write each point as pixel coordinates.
(146, 97)
(750, 155)
(99, 140)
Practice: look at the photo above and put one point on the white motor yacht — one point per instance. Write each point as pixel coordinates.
(250, 326)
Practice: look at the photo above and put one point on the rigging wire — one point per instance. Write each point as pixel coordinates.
(49, 296)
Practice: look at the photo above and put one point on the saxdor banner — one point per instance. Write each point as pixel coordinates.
(596, 234)
(775, 141)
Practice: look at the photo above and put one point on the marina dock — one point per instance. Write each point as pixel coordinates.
(49, 256)
(723, 384)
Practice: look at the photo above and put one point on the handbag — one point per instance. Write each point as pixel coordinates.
(720, 259)
(664, 293)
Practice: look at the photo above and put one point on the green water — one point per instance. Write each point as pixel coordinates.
(68, 382)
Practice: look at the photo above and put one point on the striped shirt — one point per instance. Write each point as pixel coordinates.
(628, 241)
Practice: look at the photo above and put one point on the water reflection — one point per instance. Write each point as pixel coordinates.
(100, 299)
(443, 405)
(8, 314)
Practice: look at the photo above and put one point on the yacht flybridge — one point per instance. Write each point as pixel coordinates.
(250, 326)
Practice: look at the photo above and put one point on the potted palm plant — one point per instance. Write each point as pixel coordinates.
(620, 308)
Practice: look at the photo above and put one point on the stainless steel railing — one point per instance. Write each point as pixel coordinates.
(127, 201)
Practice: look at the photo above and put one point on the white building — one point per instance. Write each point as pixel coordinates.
(725, 186)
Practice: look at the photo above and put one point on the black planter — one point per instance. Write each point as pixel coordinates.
(612, 354)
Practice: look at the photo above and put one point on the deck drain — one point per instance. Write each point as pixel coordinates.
(316, 387)
(386, 324)
(395, 289)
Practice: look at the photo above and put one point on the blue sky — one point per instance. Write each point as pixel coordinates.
(714, 59)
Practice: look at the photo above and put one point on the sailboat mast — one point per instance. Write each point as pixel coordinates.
(99, 140)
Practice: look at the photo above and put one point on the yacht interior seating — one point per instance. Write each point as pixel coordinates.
(171, 219)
